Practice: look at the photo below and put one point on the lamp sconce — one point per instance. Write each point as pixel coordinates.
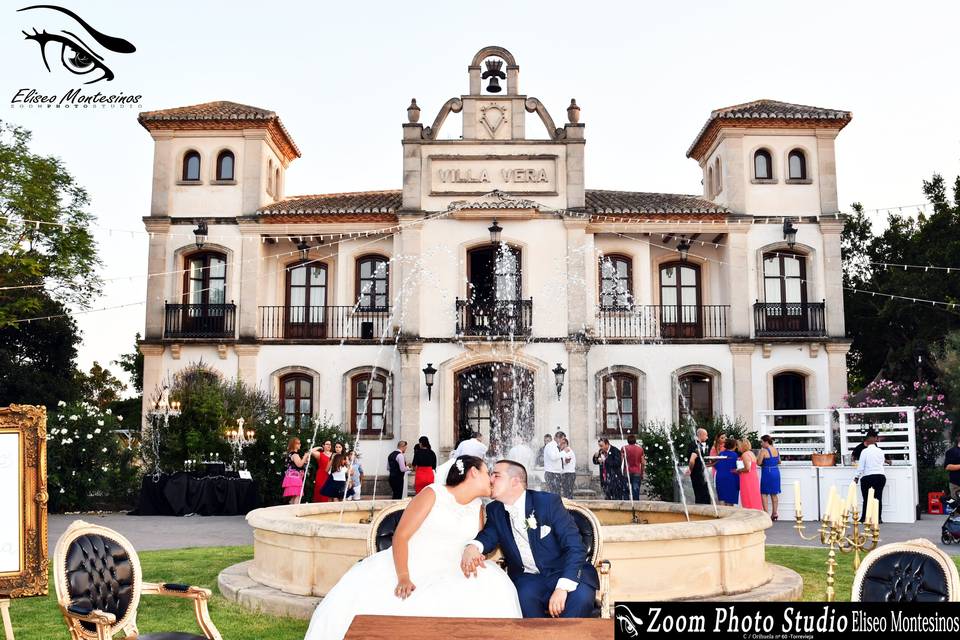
(683, 248)
(428, 373)
(558, 373)
(495, 231)
(200, 234)
(304, 248)
(789, 233)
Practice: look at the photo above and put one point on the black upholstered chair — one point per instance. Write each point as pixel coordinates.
(98, 583)
(913, 571)
(383, 527)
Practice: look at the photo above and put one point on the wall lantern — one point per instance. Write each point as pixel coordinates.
(558, 373)
(495, 231)
(683, 248)
(428, 373)
(304, 248)
(200, 234)
(789, 233)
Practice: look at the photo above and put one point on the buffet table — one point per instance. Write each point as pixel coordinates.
(187, 493)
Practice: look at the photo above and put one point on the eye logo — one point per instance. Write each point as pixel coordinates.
(77, 56)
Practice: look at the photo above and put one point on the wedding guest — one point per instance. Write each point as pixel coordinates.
(728, 483)
(599, 459)
(769, 463)
(635, 460)
(356, 474)
(424, 464)
(616, 488)
(568, 478)
(397, 468)
(696, 453)
(857, 450)
(472, 446)
(323, 459)
(293, 475)
(749, 478)
(553, 465)
(338, 448)
(870, 473)
(951, 462)
(547, 439)
(337, 487)
(718, 447)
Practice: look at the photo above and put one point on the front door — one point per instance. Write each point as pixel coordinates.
(205, 294)
(495, 399)
(680, 301)
(785, 292)
(306, 306)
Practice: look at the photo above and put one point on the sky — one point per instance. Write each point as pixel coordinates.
(340, 75)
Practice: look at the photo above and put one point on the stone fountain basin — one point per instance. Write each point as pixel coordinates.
(305, 549)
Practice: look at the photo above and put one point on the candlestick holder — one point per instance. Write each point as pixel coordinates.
(833, 535)
(866, 540)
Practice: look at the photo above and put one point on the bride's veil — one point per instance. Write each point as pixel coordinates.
(440, 475)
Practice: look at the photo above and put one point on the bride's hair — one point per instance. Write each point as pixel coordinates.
(458, 471)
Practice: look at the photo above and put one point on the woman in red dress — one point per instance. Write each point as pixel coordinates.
(322, 459)
(425, 462)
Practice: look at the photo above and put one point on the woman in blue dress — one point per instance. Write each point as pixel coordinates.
(728, 484)
(770, 476)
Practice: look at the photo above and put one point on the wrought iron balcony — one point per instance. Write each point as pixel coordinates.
(200, 321)
(325, 323)
(790, 319)
(494, 318)
(660, 322)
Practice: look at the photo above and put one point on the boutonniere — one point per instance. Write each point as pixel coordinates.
(531, 520)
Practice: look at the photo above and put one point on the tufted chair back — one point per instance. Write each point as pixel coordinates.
(589, 528)
(914, 571)
(383, 527)
(97, 568)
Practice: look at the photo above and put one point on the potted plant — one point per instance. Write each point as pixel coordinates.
(823, 459)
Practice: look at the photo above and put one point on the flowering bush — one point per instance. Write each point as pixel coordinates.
(932, 421)
(88, 465)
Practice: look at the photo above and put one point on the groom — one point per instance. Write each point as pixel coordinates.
(545, 555)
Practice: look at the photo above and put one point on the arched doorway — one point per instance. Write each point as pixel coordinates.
(496, 399)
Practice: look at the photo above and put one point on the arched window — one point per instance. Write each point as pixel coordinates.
(270, 177)
(191, 166)
(621, 403)
(276, 183)
(711, 190)
(368, 395)
(373, 283)
(696, 397)
(205, 279)
(790, 392)
(296, 401)
(718, 177)
(225, 165)
(797, 162)
(762, 165)
(616, 282)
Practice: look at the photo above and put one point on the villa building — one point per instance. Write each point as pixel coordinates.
(494, 269)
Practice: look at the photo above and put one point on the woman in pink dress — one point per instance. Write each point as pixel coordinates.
(749, 478)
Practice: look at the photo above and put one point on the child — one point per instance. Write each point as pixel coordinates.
(335, 487)
(356, 474)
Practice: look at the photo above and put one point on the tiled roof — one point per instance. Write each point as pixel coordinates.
(767, 110)
(220, 114)
(597, 201)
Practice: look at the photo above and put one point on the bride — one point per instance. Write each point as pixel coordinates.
(420, 574)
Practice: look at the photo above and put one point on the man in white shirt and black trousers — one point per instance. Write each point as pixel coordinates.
(870, 473)
(553, 464)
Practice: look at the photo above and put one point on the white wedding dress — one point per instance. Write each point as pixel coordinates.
(441, 590)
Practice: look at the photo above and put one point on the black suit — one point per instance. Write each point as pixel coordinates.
(397, 477)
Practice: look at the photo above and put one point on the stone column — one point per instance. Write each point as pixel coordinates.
(155, 307)
(738, 284)
(827, 171)
(576, 189)
(743, 381)
(407, 289)
(576, 389)
(410, 374)
(249, 289)
(247, 363)
(830, 231)
(837, 371)
(579, 316)
(412, 138)
(152, 375)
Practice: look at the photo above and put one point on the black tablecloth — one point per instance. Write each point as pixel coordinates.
(184, 493)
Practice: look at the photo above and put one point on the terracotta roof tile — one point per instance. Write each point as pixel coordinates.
(337, 203)
(639, 202)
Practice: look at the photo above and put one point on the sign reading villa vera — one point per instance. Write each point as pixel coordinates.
(519, 174)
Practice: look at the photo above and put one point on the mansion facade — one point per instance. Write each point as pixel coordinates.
(493, 290)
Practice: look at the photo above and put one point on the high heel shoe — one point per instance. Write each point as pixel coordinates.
(774, 517)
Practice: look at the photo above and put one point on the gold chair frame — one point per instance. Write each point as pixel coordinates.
(919, 545)
(106, 623)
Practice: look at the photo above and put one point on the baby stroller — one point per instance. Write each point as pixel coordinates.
(950, 532)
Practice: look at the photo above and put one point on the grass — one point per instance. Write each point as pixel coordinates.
(39, 618)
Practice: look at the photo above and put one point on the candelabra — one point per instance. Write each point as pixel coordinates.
(833, 532)
(238, 439)
(163, 410)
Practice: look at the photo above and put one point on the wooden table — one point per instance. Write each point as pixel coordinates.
(394, 627)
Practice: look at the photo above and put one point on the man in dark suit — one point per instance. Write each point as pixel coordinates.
(545, 555)
(397, 467)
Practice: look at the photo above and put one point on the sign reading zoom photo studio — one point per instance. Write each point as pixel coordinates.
(784, 620)
(69, 55)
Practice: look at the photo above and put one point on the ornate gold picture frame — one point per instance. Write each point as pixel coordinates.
(23, 512)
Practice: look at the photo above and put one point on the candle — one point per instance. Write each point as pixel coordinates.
(868, 506)
(831, 500)
(798, 508)
(851, 497)
(838, 510)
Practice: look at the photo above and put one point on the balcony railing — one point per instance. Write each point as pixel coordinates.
(659, 322)
(789, 320)
(200, 321)
(496, 318)
(324, 323)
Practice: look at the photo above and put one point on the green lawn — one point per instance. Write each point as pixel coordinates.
(39, 618)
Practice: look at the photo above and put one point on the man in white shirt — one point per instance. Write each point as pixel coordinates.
(553, 464)
(870, 473)
(472, 446)
(569, 461)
